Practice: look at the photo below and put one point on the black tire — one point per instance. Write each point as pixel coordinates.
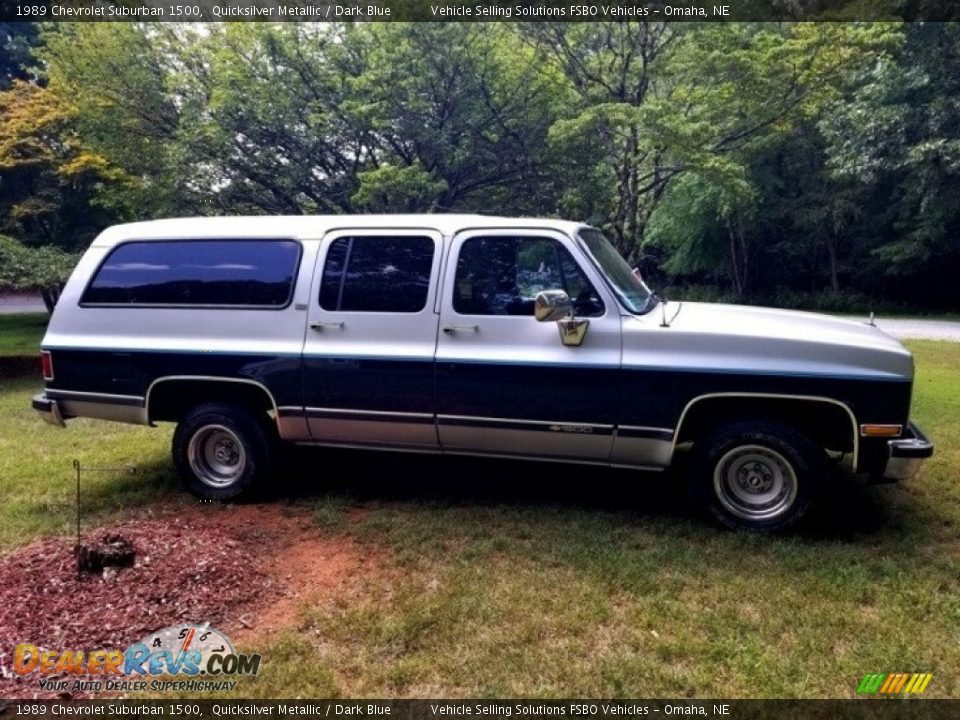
(221, 451)
(756, 475)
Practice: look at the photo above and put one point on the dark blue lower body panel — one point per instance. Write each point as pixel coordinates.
(646, 402)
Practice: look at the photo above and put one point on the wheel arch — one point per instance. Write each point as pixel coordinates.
(167, 405)
(822, 417)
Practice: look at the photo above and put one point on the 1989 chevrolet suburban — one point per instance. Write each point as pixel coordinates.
(464, 334)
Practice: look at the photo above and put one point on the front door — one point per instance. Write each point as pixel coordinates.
(368, 356)
(505, 383)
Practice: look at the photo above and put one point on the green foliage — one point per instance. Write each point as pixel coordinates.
(466, 108)
(17, 40)
(761, 157)
(44, 269)
(897, 139)
(116, 79)
(392, 188)
(51, 183)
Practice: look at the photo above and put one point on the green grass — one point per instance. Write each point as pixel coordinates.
(20, 334)
(37, 481)
(565, 581)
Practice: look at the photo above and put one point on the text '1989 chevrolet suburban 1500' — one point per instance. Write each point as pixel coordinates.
(465, 334)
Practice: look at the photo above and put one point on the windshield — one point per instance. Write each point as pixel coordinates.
(630, 289)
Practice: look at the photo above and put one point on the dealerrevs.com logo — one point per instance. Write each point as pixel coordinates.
(203, 654)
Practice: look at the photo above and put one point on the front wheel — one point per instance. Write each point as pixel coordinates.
(220, 451)
(757, 475)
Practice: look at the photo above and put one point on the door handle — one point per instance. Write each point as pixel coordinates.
(450, 329)
(320, 325)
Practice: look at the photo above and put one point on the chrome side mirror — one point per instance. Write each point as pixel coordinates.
(552, 305)
(556, 306)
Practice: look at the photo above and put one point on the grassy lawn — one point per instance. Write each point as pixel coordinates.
(37, 480)
(20, 334)
(565, 581)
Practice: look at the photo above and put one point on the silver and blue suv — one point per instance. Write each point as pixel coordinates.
(465, 334)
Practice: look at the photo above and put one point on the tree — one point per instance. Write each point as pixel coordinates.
(658, 100)
(45, 269)
(460, 114)
(897, 138)
(49, 181)
(17, 40)
(613, 69)
(117, 80)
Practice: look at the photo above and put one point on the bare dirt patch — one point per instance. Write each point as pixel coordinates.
(245, 569)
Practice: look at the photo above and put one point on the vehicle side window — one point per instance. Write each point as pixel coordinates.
(377, 274)
(502, 276)
(251, 273)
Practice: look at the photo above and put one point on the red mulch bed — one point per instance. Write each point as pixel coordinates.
(181, 573)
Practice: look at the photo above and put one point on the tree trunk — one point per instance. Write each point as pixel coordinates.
(50, 295)
(832, 256)
(734, 262)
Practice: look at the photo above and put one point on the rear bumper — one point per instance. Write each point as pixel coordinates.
(49, 410)
(906, 454)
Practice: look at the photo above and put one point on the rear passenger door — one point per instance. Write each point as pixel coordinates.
(369, 352)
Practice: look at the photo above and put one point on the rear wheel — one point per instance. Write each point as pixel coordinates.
(756, 475)
(221, 451)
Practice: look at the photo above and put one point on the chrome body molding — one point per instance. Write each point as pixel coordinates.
(208, 378)
(350, 414)
(855, 436)
(96, 396)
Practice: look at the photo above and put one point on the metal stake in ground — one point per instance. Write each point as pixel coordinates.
(128, 469)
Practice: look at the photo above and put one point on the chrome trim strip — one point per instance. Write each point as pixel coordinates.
(369, 416)
(96, 397)
(639, 431)
(571, 428)
(176, 351)
(372, 413)
(879, 377)
(774, 396)
(481, 418)
(213, 378)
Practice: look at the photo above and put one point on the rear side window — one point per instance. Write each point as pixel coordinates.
(377, 274)
(251, 273)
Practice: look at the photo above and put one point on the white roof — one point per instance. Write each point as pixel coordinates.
(306, 226)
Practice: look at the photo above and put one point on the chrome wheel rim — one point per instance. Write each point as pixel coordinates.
(754, 482)
(216, 455)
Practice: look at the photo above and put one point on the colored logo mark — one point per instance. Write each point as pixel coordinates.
(894, 683)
